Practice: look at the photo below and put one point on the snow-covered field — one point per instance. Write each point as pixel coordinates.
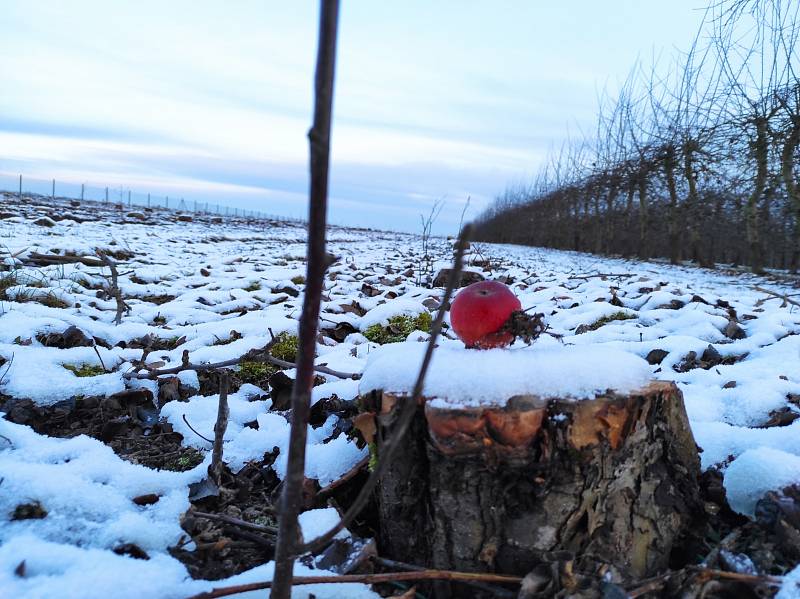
(219, 290)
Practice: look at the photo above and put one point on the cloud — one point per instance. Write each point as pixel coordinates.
(214, 100)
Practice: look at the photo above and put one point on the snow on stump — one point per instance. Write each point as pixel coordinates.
(514, 454)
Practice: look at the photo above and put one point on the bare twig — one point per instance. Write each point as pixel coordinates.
(364, 579)
(8, 367)
(495, 592)
(407, 411)
(318, 262)
(269, 530)
(702, 574)
(195, 431)
(99, 357)
(215, 468)
(113, 287)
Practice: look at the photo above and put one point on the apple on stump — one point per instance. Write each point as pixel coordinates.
(487, 315)
(509, 460)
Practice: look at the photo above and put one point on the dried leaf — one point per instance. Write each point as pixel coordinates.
(365, 423)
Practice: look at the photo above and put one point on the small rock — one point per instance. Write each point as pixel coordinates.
(711, 356)
(184, 218)
(29, 511)
(45, 222)
(656, 356)
(734, 331)
(71, 337)
(287, 290)
(782, 417)
(128, 397)
(147, 499)
(131, 550)
(676, 304)
(431, 303)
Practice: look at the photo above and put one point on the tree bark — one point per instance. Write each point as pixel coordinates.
(752, 221)
(644, 239)
(494, 489)
(787, 174)
(673, 226)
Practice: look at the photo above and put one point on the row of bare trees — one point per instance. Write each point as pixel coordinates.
(700, 163)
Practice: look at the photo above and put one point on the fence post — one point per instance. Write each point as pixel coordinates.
(148, 200)
(20, 187)
(54, 190)
(129, 198)
(106, 195)
(83, 186)
(166, 204)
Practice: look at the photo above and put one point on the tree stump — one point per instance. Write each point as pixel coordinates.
(496, 488)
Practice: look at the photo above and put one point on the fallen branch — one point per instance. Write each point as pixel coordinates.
(786, 299)
(36, 259)
(364, 579)
(406, 414)
(601, 274)
(154, 374)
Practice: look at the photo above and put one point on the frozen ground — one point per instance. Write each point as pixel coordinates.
(219, 290)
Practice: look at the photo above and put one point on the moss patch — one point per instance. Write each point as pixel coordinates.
(399, 328)
(84, 370)
(256, 373)
(188, 459)
(610, 318)
(254, 286)
(298, 280)
(285, 347)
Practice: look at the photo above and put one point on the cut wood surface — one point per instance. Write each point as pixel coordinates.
(494, 488)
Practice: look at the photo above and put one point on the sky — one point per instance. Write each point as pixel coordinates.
(211, 101)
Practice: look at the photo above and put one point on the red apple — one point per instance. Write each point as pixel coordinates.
(479, 312)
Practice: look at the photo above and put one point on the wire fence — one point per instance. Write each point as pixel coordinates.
(121, 196)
